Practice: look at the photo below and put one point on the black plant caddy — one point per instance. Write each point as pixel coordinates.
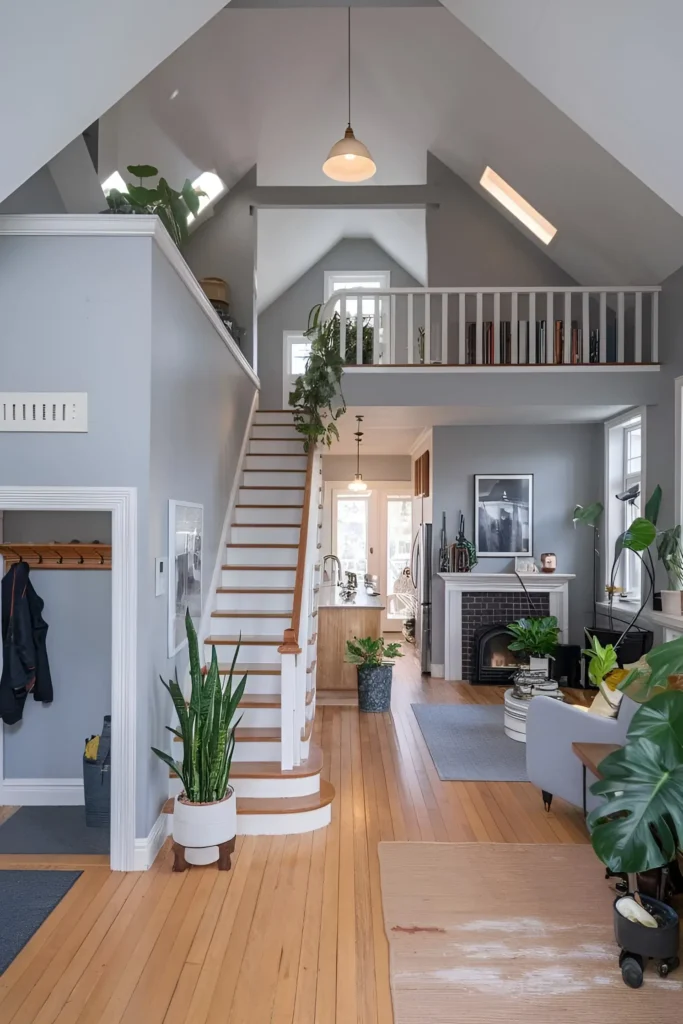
(639, 944)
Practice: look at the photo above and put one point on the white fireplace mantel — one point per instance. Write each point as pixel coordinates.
(556, 585)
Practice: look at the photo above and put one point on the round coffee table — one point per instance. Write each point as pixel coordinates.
(514, 720)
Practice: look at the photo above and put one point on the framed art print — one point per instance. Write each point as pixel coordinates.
(503, 510)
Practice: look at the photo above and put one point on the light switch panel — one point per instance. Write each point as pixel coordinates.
(160, 576)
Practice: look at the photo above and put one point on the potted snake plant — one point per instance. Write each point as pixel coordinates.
(374, 659)
(205, 813)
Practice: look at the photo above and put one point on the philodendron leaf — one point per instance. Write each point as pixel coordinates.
(191, 196)
(651, 674)
(142, 170)
(639, 535)
(653, 504)
(588, 514)
(660, 721)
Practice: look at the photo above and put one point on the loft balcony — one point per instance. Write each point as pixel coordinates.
(592, 346)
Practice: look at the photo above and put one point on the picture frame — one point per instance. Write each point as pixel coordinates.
(185, 546)
(503, 514)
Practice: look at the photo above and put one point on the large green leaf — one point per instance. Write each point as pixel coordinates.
(653, 505)
(639, 535)
(588, 514)
(191, 196)
(651, 674)
(660, 721)
(640, 824)
(142, 170)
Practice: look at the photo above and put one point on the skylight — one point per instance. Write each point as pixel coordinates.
(114, 181)
(211, 184)
(517, 206)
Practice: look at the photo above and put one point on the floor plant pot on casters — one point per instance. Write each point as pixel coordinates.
(204, 833)
(374, 687)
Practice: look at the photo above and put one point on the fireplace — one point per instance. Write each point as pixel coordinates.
(491, 611)
(493, 661)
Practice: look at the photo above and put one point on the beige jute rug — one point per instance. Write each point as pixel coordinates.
(491, 933)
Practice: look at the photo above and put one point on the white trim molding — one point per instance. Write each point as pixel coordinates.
(147, 849)
(678, 449)
(122, 503)
(556, 585)
(41, 792)
(95, 226)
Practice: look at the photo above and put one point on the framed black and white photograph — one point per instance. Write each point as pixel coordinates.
(503, 512)
(185, 539)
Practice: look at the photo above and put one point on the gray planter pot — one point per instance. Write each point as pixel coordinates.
(374, 687)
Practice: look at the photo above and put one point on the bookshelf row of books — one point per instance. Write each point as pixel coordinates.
(532, 347)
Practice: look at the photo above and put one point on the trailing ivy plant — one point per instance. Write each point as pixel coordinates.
(317, 398)
(171, 207)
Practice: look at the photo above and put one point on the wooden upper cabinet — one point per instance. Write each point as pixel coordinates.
(422, 476)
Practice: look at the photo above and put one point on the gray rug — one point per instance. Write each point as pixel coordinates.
(27, 898)
(467, 743)
(52, 830)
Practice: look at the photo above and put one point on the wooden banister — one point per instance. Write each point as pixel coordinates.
(290, 639)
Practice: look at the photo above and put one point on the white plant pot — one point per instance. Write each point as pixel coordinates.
(201, 828)
(672, 602)
(539, 665)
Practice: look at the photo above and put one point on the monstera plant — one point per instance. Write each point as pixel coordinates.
(639, 826)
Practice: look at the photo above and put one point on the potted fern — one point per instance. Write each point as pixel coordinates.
(374, 659)
(205, 814)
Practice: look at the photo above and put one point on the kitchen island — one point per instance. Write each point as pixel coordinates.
(339, 621)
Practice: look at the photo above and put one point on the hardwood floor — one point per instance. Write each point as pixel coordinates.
(293, 934)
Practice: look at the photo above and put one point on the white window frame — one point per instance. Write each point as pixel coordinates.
(678, 450)
(614, 477)
(288, 338)
(336, 279)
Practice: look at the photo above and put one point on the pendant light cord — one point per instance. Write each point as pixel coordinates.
(349, 62)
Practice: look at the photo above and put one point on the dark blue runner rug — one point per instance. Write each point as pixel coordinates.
(52, 830)
(27, 898)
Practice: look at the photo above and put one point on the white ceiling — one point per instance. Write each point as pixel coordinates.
(291, 241)
(393, 430)
(268, 87)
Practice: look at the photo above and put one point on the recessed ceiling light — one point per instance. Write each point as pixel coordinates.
(209, 182)
(114, 181)
(517, 205)
(174, 94)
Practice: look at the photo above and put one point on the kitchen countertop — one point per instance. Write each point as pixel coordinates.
(329, 597)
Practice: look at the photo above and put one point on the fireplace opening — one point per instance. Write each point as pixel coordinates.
(493, 660)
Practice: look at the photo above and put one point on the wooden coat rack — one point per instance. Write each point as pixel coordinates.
(58, 556)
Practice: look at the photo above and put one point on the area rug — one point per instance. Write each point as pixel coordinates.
(468, 744)
(52, 830)
(27, 898)
(491, 932)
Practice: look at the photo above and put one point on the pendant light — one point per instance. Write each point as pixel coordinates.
(358, 483)
(349, 159)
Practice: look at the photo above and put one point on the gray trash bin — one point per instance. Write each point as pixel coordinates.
(97, 781)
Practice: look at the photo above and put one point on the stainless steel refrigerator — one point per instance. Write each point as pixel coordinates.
(421, 574)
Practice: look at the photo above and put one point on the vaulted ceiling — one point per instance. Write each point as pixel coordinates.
(267, 87)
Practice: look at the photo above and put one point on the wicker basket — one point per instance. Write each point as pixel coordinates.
(216, 289)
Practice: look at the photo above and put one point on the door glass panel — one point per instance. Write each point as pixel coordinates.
(299, 353)
(352, 533)
(399, 537)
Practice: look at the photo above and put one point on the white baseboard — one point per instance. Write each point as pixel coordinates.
(146, 850)
(438, 671)
(41, 792)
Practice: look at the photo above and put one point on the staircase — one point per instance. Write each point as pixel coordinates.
(269, 579)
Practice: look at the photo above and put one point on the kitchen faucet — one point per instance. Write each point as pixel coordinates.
(339, 568)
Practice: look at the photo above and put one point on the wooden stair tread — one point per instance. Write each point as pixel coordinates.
(267, 639)
(231, 544)
(254, 590)
(266, 506)
(273, 669)
(295, 438)
(268, 526)
(252, 613)
(260, 568)
(280, 455)
(287, 804)
(257, 735)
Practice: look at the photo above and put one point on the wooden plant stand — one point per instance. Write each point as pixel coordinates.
(225, 851)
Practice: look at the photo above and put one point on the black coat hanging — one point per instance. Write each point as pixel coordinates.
(25, 667)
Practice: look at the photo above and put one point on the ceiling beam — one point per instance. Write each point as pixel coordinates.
(331, 197)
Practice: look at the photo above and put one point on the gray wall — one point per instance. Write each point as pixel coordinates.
(225, 246)
(290, 311)
(567, 465)
(38, 194)
(48, 742)
(373, 467)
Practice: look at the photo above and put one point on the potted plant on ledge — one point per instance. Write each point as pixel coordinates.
(671, 556)
(205, 813)
(537, 638)
(374, 659)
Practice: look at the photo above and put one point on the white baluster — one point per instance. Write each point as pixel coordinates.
(567, 353)
(462, 354)
(444, 327)
(496, 328)
(586, 327)
(549, 328)
(359, 330)
(428, 330)
(392, 331)
(620, 327)
(287, 710)
(480, 322)
(375, 334)
(342, 326)
(532, 327)
(654, 342)
(603, 327)
(514, 330)
(638, 339)
(409, 322)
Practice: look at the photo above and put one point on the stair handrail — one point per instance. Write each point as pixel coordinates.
(290, 638)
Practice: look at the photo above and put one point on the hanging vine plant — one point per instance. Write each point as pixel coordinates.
(317, 397)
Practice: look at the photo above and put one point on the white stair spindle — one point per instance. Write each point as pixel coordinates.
(586, 327)
(638, 339)
(620, 327)
(480, 326)
(654, 340)
(514, 330)
(567, 347)
(428, 330)
(532, 327)
(444, 327)
(375, 334)
(461, 330)
(603, 327)
(549, 328)
(359, 330)
(496, 328)
(392, 330)
(409, 329)
(342, 326)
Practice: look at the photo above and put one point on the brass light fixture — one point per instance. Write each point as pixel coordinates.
(358, 483)
(349, 159)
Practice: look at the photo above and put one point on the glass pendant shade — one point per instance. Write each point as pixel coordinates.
(349, 160)
(358, 483)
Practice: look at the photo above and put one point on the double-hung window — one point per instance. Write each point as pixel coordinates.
(297, 348)
(632, 507)
(624, 498)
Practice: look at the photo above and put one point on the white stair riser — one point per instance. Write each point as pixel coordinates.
(255, 654)
(261, 556)
(260, 718)
(262, 684)
(276, 516)
(278, 416)
(249, 625)
(286, 431)
(269, 462)
(292, 495)
(263, 477)
(236, 577)
(283, 824)
(265, 750)
(265, 789)
(271, 534)
(263, 601)
(276, 446)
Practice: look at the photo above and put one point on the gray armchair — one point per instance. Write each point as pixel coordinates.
(551, 728)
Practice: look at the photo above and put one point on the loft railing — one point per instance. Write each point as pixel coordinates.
(597, 326)
(298, 636)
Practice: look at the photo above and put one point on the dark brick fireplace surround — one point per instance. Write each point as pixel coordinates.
(489, 608)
